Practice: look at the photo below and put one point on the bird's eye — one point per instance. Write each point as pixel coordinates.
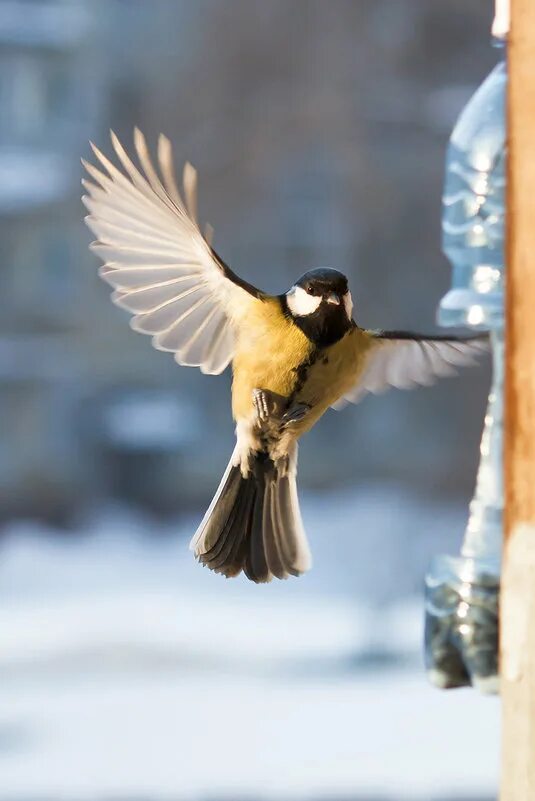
(308, 289)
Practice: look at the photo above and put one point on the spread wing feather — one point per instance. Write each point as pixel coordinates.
(404, 360)
(156, 259)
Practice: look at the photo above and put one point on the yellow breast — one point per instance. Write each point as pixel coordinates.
(273, 353)
(269, 350)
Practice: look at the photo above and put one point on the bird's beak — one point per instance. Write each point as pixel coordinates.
(332, 297)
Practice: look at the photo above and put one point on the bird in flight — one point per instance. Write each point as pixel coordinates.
(293, 355)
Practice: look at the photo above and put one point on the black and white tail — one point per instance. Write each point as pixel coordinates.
(254, 524)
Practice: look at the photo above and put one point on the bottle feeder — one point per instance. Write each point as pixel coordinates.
(462, 592)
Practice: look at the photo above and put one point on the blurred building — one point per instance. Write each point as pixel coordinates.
(319, 133)
(66, 396)
(47, 101)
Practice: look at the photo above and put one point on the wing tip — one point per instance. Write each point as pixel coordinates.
(98, 153)
(209, 234)
(135, 323)
(189, 174)
(140, 143)
(114, 138)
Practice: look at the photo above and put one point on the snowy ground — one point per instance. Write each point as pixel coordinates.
(128, 671)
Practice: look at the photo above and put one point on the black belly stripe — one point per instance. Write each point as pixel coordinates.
(322, 330)
(269, 437)
(302, 375)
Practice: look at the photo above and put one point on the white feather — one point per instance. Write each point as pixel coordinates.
(348, 304)
(156, 259)
(405, 363)
(300, 303)
(218, 352)
(171, 313)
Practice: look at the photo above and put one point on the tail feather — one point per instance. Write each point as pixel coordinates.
(271, 535)
(254, 524)
(226, 527)
(294, 556)
(256, 567)
(223, 491)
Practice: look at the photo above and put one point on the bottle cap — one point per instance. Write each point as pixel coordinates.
(502, 16)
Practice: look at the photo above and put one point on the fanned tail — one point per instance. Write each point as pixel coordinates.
(254, 524)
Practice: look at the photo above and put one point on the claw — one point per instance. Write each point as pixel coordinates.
(269, 406)
(260, 402)
(295, 414)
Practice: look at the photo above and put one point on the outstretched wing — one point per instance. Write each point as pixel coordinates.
(405, 360)
(155, 257)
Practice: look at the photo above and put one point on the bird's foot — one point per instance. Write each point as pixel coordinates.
(263, 405)
(295, 414)
(268, 406)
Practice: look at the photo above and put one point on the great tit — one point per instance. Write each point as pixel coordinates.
(293, 355)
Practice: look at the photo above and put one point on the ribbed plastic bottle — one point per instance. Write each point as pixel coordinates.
(473, 209)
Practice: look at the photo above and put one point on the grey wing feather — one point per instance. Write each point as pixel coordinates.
(405, 360)
(155, 257)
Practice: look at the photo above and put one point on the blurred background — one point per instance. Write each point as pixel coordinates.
(319, 132)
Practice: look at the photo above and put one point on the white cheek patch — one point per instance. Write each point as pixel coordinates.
(348, 303)
(301, 303)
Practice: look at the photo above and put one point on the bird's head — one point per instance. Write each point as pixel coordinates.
(321, 289)
(320, 303)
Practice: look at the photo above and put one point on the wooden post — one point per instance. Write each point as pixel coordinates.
(518, 582)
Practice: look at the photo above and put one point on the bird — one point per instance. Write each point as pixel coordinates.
(293, 355)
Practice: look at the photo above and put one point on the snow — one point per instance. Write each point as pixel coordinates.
(129, 671)
(202, 734)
